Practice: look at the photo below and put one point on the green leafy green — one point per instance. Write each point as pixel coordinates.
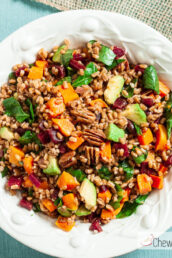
(130, 89)
(67, 79)
(106, 55)
(58, 202)
(115, 63)
(4, 172)
(92, 41)
(168, 115)
(78, 173)
(57, 54)
(150, 79)
(70, 71)
(12, 76)
(29, 137)
(140, 158)
(14, 109)
(129, 208)
(65, 58)
(138, 130)
(32, 115)
(36, 207)
(127, 169)
(120, 191)
(30, 192)
(104, 173)
(90, 69)
(30, 65)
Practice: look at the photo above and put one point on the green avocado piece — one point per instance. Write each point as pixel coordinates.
(88, 193)
(64, 212)
(135, 114)
(57, 54)
(82, 211)
(53, 168)
(6, 134)
(114, 133)
(113, 89)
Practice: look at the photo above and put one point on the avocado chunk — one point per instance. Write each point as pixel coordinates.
(113, 89)
(6, 134)
(53, 168)
(134, 113)
(82, 211)
(114, 133)
(57, 55)
(88, 193)
(64, 212)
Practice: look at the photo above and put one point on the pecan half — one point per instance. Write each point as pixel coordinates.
(92, 154)
(94, 137)
(68, 159)
(84, 116)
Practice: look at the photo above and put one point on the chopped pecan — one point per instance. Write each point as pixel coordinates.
(84, 91)
(92, 154)
(68, 159)
(84, 116)
(94, 137)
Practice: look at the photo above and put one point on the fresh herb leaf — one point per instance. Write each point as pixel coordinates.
(127, 169)
(90, 69)
(138, 130)
(106, 55)
(58, 202)
(12, 76)
(150, 79)
(169, 124)
(115, 63)
(32, 115)
(4, 172)
(67, 79)
(130, 89)
(29, 137)
(104, 173)
(92, 41)
(78, 173)
(120, 192)
(168, 115)
(129, 208)
(115, 205)
(57, 54)
(65, 58)
(36, 207)
(70, 71)
(140, 158)
(14, 109)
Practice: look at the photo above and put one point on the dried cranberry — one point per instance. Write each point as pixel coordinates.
(54, 195)
(53, 136)
(118, 51)
(122, 146)
(146, 170)
(17, 72)
(130, 127)
(96, 225)
(139, 69)
(102, 188)
(92, 217)
(76, 64)
(20, 130)
(78, 57)
(26, 204)
(168, 162)
(14, 180)
(61, 71)
(35, 180)
(1, 153)
(120, 103)
(148, 102)
(44, 137)
(62, 149)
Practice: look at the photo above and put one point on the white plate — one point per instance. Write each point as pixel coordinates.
(143, 45)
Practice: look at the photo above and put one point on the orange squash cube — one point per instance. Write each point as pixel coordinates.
(67, 182)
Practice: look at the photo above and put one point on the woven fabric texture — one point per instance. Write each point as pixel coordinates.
(156, 13)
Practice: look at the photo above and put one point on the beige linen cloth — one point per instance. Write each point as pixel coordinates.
(156, 13)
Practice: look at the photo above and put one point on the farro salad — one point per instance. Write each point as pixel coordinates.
(84, 134)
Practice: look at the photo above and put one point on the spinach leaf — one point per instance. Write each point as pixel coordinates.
(29, 137)
(67, 79)
(169, 124)
(127, 169)
(58, 202)
(57, 54)
(32, 115)
(30, 65)
(36, 207)
(92, 41)
(129, 208)
(106, 55)
(78, 173)
(90, 69)
(14, 109)
(4, 172)
(130, 89)
(138, 130)
(150, 79)
(168, 115)
(104, 173)
(70, 71)
(12, 76)
(120, 191)
(115, 63)
(65, 58)
(140, 158)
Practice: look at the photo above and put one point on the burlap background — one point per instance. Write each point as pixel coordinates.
(156, 13)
